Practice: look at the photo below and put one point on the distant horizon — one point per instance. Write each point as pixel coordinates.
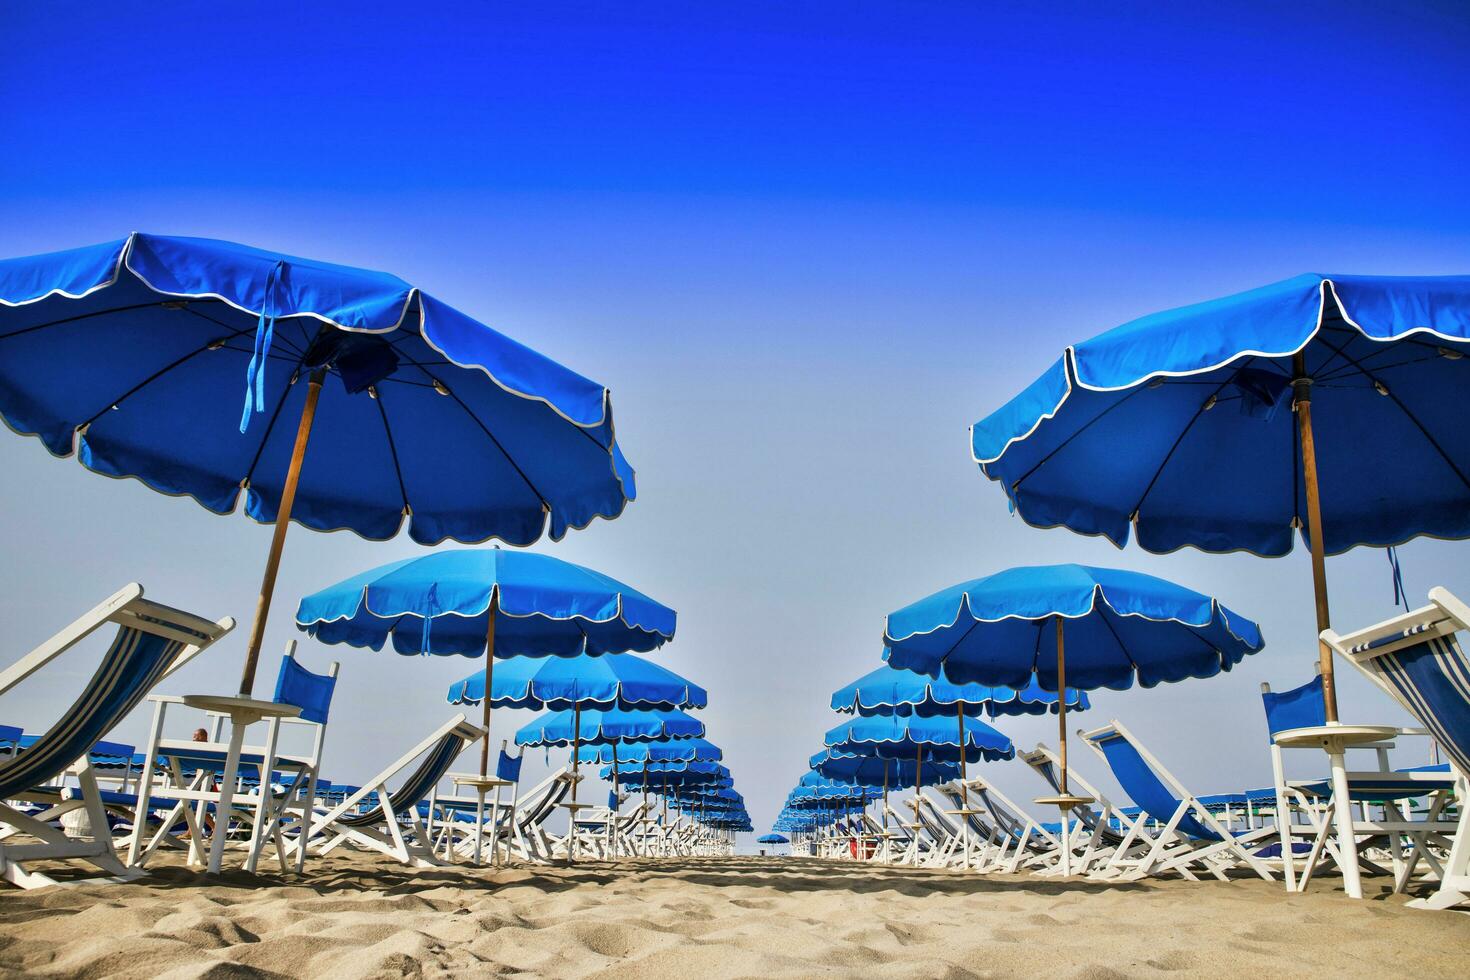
(805, 249)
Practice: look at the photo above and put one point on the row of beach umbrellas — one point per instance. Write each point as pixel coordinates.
(1321, 406)
(342, 398)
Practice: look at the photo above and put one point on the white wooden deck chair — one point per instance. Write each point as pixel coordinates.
(1098, 830)
(1019, 841)
(381, 828)
(1192, 837)
(152, 641)
(525, 836)
(262, 814)
(1418, 659)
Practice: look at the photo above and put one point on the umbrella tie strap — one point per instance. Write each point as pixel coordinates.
(431, 609)
(265, 329)
(1400, 596)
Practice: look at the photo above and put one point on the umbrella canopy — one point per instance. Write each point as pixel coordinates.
(608, 727)
(887, 691)
(873, 770)
(912, 736)
(439, 603)
(1179, 424)
(1324, 405)
(1121, 628)
(137, 356)
(134, 356)
(557, 683)
(772, 839)
(671, 773)
(669, 750)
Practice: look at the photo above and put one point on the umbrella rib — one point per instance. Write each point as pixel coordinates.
(1121, 648)
(392, 450)
(1016, 483)
(1207, 403)
(546, 505)
(265, 436)
(79, 316)
(283, 340)
(1388, 393)
(145, 382)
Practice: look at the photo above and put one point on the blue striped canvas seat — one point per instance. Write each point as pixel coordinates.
(134, 663)
(1146, 789)
(419, 784)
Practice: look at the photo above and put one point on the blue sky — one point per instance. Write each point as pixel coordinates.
(805, 244)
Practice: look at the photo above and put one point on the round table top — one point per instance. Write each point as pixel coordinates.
(479, 782)
(236, 705)
(964, 812)
(1066, 802)
(1338, 734)
(576, 806)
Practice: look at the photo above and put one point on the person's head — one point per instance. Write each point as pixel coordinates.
(200, 735)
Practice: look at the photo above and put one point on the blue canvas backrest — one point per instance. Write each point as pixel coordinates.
(10, 737)
(1145, 787)
(312, 693)
(612, 800)
(508, 767)
(1301, 707)
(1433, 679)
(134, 663)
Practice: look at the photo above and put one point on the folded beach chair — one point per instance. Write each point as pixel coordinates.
(381, 827)
(1417, 658)
(152, 641)
(1096, 831)
(1192, 838)
(273, 792)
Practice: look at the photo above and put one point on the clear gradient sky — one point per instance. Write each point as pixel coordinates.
(805, 244)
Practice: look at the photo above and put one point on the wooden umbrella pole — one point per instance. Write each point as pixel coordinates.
(278, 536)
(489, 676)
(1302, 394)
(885, 794)
(1062, 700)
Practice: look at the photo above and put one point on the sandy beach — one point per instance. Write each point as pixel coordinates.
(355, 916)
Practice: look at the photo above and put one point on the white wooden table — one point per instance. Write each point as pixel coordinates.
(242, 712)
(1334, 739)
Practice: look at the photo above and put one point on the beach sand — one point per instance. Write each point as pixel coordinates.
(703, 919)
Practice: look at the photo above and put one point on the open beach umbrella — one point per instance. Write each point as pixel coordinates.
(1120, 628)
(916, 738)
(463, 602)
(597, 727)
(1326, 406)
(668, 750)
(578, 683)
(201, 368)
(772, 838)
(558, 683)
(867, 768)
(890, 691)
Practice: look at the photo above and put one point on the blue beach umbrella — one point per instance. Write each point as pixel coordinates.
(558, 683)
(466, 601)
(440, 603)
(875, 770)
(1120, 628)
(916, 738)
(608, 727)
(1326, 406)
(912, 736)
(176, 361)
(670, 750)
(772, 838)
(889, 691)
